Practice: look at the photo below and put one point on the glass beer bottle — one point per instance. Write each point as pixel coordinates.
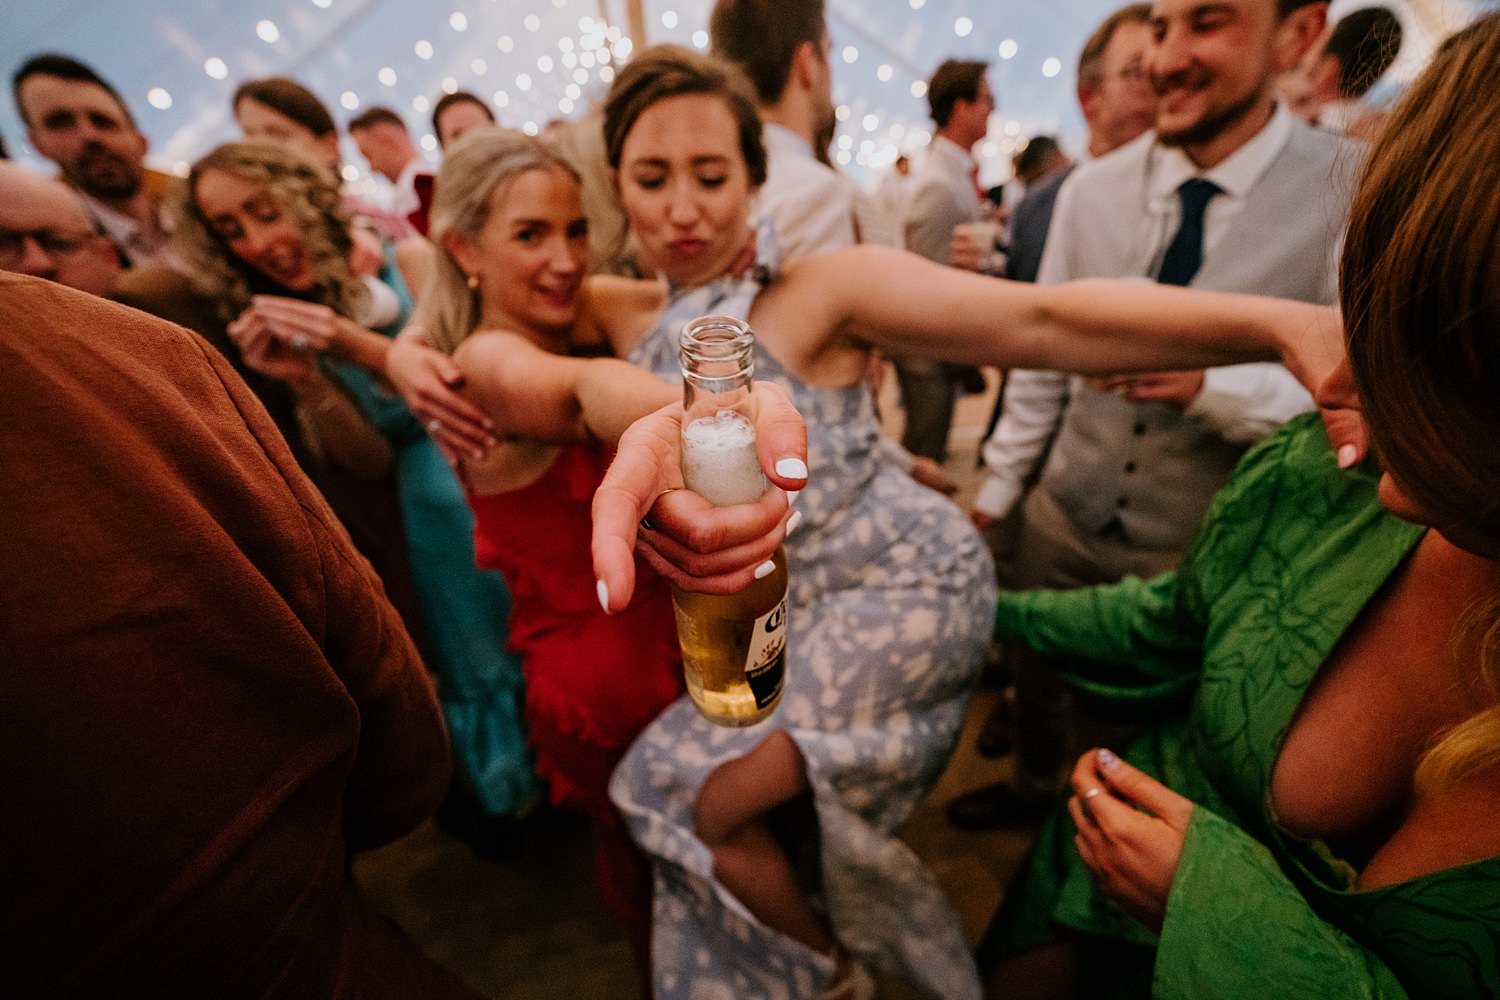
(733, 646)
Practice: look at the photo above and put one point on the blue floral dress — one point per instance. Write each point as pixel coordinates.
(890, 598)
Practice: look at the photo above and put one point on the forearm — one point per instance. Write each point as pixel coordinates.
(1101, 326)
(905, 305)
(1138, 626)
(614, 394)
(1227, 881)
(529, 392)
(1033, 405)
(353, 343)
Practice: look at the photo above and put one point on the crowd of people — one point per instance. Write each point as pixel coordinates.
(394, 533)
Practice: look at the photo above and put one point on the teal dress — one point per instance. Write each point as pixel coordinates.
(466, 610)
(1290, 552)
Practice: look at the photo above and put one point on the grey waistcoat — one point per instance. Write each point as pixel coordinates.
(1144, 465)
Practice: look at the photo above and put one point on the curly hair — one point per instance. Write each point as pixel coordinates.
(307, 193)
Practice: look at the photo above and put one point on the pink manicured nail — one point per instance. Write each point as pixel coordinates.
(1107, 759)
(1346, 455)
(603, 592)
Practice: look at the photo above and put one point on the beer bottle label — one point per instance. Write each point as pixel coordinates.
(765, 666)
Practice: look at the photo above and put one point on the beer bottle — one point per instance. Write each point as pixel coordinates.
(734, 646)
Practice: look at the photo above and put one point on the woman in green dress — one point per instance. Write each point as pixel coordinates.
(1323, 820)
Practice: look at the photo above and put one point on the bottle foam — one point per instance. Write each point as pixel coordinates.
(719, 461)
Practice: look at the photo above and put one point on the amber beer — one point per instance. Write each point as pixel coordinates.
(733, 646)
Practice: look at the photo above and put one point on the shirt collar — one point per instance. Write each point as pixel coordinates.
(784, 138)
(1236, 174)
(410, 171)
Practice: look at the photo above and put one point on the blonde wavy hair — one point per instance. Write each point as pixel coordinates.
(302, 190)
(484, 160)
(1420, 290)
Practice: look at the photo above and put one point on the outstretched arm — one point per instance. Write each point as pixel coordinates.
(903, 304)
(532, 393)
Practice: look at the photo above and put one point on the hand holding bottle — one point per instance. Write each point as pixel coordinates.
(692, 543)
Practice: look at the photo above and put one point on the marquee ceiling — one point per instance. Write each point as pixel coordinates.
(178, 61)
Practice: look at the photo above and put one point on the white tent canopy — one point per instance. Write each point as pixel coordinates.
(177, 62)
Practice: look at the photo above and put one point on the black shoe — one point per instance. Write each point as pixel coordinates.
(993, 806)
(994, 736)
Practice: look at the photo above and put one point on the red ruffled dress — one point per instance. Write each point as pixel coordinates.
(593, 681)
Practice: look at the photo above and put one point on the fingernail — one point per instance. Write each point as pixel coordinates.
(793, 521)
(791, 496)
(1106, 758)
(603, 592)
(791, 468)
(1346, 455)
(762, 571)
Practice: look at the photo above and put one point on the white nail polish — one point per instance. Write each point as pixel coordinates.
(791, 468)
(791, 496)
(762, 571)
(1346, 455)
(603, 592)
(793, 521)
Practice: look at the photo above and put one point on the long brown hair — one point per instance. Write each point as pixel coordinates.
(1420, 289)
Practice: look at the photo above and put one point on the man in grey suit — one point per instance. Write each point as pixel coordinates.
(1228, 192)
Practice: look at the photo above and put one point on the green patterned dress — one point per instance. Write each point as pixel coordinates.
(1289, 553)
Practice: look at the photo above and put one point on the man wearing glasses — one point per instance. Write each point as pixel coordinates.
(45, 232)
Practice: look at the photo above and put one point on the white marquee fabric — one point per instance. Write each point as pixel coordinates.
(178, 61)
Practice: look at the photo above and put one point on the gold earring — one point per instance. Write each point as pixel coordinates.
(473, 281)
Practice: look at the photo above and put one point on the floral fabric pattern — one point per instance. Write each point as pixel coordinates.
(890, 596)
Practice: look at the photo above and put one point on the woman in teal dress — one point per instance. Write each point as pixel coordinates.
(1324, 819)
(267, 230)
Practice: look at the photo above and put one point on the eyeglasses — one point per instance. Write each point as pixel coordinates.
(51, 241)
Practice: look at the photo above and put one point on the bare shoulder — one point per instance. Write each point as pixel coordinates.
(493, 353)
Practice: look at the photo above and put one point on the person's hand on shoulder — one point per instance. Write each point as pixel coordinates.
(429, 381)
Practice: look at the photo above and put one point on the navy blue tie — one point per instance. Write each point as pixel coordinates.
(1185, 253)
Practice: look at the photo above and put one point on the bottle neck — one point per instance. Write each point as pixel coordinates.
(718, 422)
